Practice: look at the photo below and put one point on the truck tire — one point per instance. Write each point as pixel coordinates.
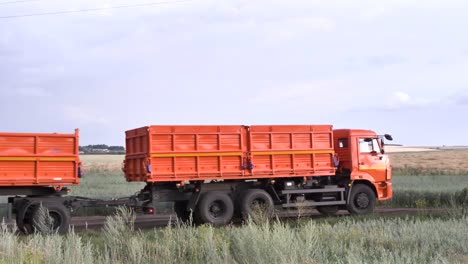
(215, 208)
(362, 200)
(180, 208)
(328, 210)
(59, 215)
(256, 199)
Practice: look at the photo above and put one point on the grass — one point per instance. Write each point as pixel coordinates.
(367, 239)
(104, 178)
(429, 191)
(331, 240)
(105, 184)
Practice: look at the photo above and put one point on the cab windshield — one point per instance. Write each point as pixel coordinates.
(369, 145)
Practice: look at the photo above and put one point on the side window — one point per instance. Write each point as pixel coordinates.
(343, 143)
(368, 145)
(365, 145)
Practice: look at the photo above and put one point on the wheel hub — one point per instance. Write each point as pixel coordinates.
(216, 209)
(362, 201)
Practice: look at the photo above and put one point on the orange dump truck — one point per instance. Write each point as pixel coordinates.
(214, 172)
(217, 172)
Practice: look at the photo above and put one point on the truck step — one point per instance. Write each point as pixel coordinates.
(312, 203)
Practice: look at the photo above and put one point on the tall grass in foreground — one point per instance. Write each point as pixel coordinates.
(335, 240)
(428, 199)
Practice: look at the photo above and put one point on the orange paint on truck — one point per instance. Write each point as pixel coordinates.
(363, 158)
(184, 153)
(202, 153)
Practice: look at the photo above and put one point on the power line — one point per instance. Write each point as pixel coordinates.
(93, 9)
(14, 2)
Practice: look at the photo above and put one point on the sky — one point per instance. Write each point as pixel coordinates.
(396, 67)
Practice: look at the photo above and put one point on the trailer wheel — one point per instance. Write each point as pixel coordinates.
(215, 208)
(329, 210)
(362, 200)
(59, 218)
(180, 208)
(256, 199)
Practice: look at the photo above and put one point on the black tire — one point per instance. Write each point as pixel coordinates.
(180, 208)
(328, 210)
(59, 214)
(20, 222)
(215, 208)
(253, 198)
(362, 200)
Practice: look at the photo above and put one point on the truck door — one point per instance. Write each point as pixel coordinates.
(371, 159)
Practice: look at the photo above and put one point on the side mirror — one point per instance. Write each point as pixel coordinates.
(388, 137)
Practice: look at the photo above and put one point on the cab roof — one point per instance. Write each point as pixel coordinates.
(355, 132)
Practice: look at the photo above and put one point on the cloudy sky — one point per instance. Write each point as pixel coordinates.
(398, 67)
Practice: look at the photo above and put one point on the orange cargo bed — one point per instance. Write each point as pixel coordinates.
(39, 159)
(181, 153)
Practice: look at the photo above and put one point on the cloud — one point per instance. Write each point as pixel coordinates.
(402, 97)
(381, 61)
(32, 92)
(461, 100)
(294, 27)
(402, 100)
(314, 93)
(372, 13)
(84, 115)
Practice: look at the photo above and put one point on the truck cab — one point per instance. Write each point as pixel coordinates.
(362, 158)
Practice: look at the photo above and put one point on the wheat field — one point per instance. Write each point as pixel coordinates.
(439, 162)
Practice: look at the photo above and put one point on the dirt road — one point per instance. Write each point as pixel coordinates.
(151, 221)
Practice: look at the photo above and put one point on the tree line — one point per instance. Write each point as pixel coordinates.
(102, 148)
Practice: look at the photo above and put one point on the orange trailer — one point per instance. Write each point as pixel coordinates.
(36, 159)
(35, 170)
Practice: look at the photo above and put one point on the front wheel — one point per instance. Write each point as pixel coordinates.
(362, 200)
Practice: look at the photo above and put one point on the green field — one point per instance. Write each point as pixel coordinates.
(423, 238)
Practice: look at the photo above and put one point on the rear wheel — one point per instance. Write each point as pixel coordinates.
(362, 200)
(50, 217)
(255, 201)
(329, 210)
(215, 208)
